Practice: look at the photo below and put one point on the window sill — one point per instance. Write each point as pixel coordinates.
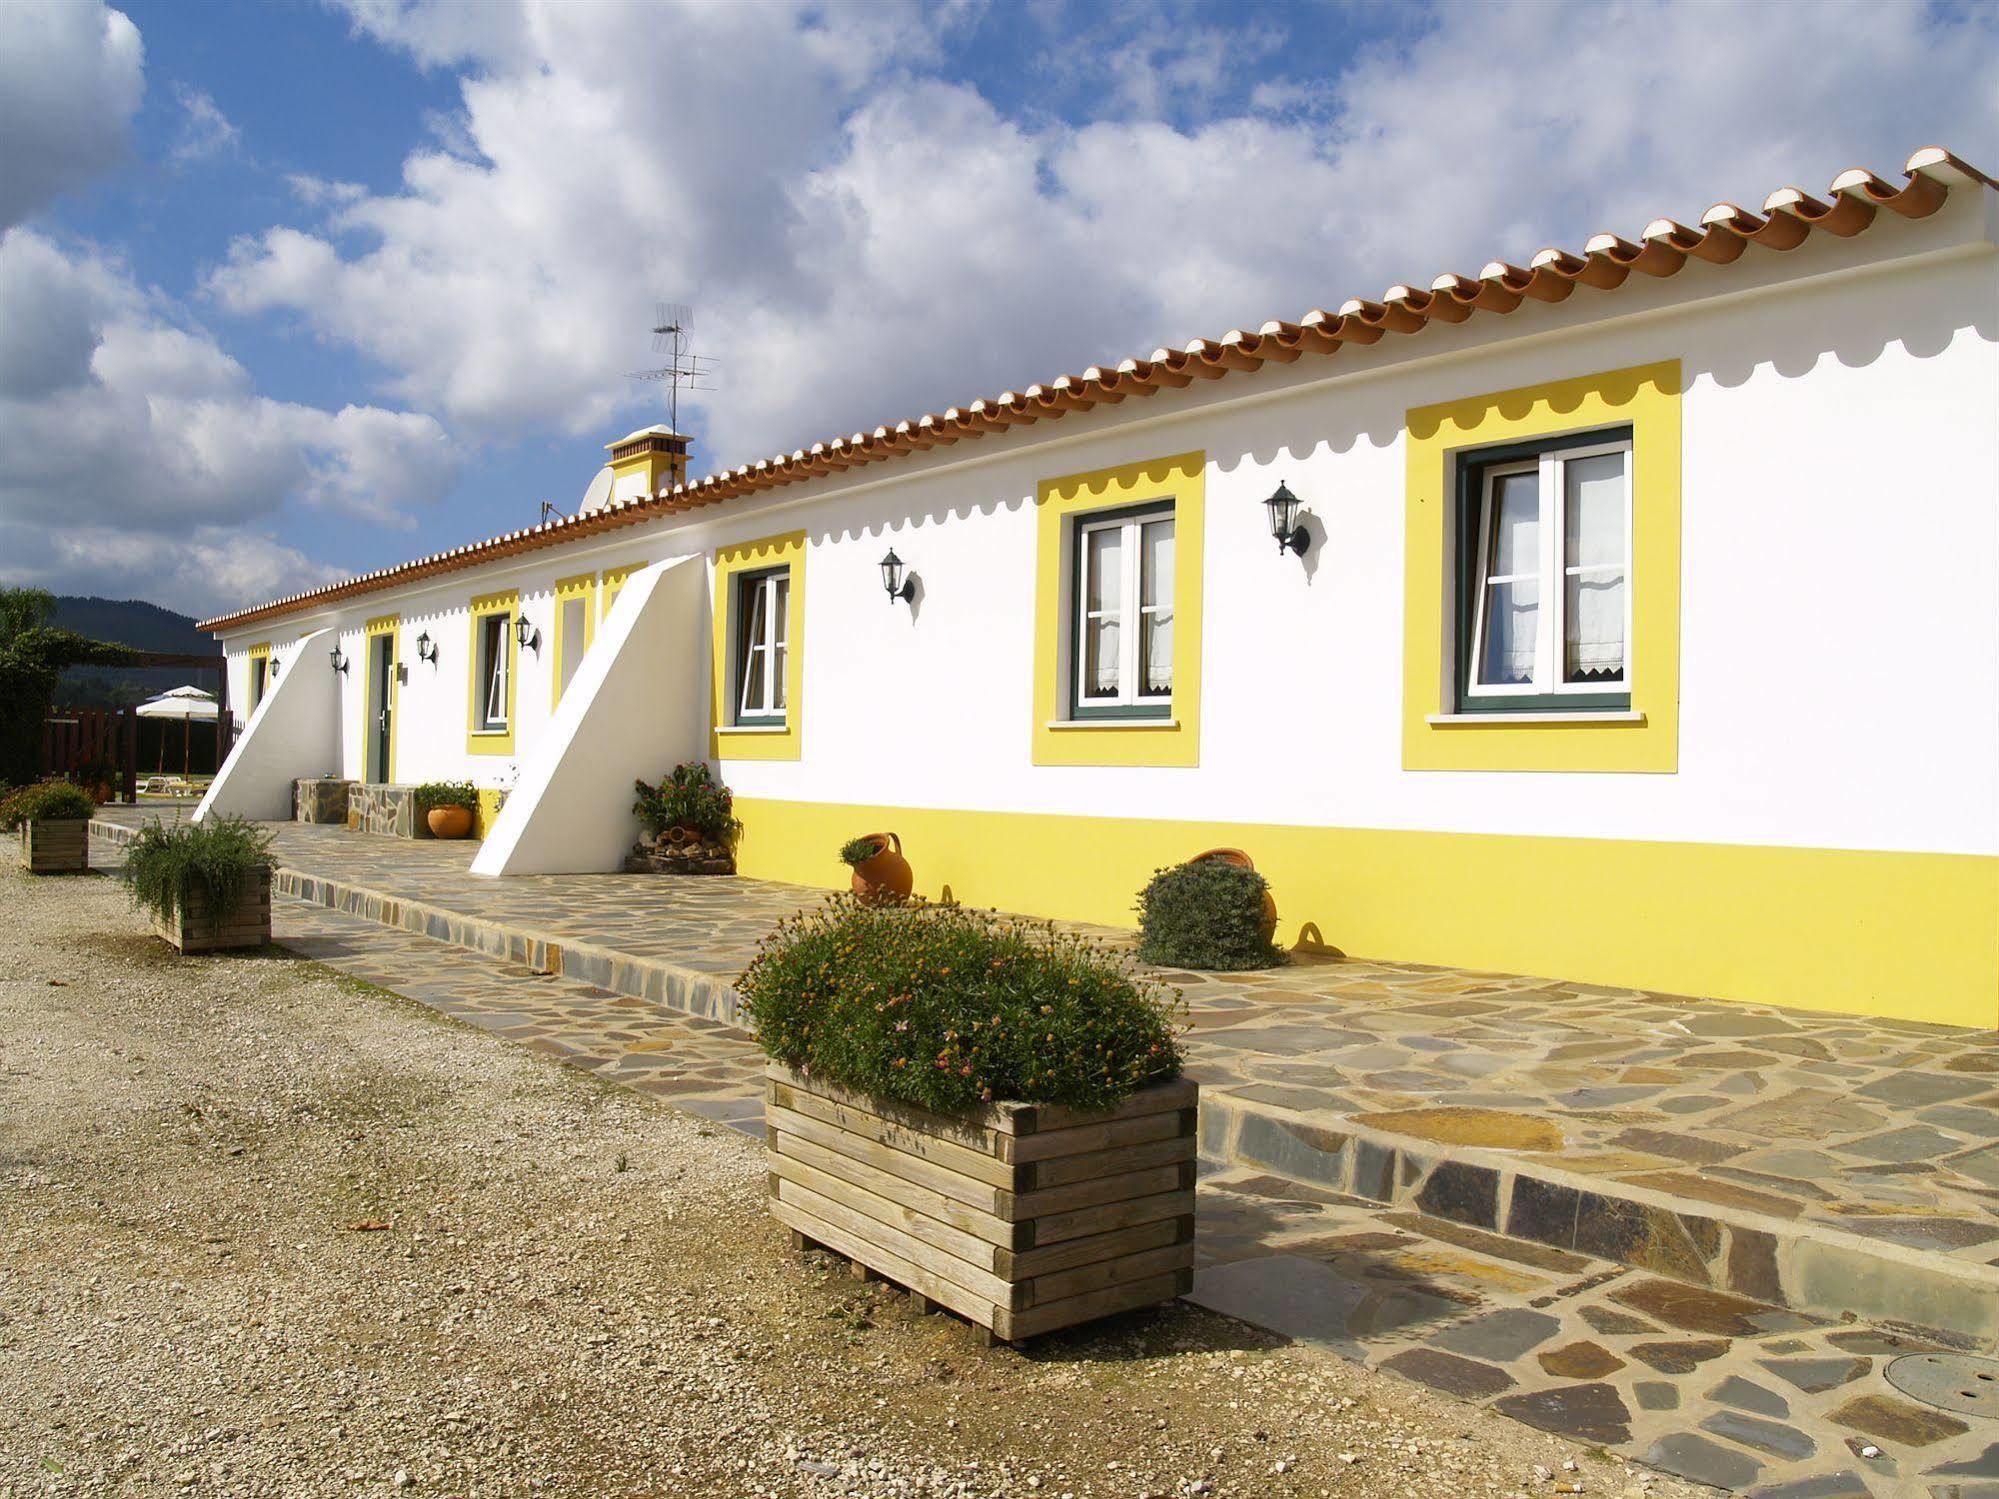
(754, 728)
(489, 733)
(1588, 715)
(1114, 723)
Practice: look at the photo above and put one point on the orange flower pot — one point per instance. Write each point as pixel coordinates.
(1241, 860)
(887, 873)
(448, 822)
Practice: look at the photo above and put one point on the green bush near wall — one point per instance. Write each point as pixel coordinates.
(1206, 915)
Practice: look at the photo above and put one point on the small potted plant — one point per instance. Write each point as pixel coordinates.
(99, 778)
(53, 818)
(1213, 912)
(447, 807)
(689, 823)
(881, 873)
(980, 1108)
(207, 885)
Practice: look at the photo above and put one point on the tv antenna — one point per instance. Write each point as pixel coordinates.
(672, 335)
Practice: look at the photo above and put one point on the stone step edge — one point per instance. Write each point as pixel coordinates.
(691, 991)
(1805, 1267)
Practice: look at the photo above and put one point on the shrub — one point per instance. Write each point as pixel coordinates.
(433, 794)
(947, 1008)
(166, 865)
(860, 850)
(1207, 915)
(46, 801)
(689, 797)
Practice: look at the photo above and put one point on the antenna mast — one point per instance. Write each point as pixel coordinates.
(672, 330)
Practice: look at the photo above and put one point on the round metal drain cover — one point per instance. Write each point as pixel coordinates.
(1961, 1383)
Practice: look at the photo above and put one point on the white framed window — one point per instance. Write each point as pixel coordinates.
(1122, 609)
(762, 634)
(1546, 589)
(494, 696)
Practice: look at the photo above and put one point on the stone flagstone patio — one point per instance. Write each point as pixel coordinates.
(1345, 1070)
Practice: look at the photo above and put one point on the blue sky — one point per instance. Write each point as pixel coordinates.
(354, 281)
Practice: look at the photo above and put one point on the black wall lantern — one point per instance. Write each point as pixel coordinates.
(272, 670)
(339, 661)
(1283, 507)
(527, 635)
(426, 648)
(898, 586)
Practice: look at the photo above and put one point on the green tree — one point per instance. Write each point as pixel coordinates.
(33, 653)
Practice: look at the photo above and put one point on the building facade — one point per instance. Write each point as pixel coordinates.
(1638, 624)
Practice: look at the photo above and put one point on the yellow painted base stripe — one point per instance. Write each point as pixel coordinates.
(1904, 935)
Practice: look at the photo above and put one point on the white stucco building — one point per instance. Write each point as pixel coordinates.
(1645, 629)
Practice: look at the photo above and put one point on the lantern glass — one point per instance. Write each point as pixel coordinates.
(424, 649)
(891, 566)
(1283, 512)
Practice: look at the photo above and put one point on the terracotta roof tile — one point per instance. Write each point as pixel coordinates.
(1788, 217)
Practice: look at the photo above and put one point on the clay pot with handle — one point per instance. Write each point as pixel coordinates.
(1241, 860)
(886, 874)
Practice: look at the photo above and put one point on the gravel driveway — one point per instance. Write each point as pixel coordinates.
(267, 1230)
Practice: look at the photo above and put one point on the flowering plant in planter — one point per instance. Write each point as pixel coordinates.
(980, 1108)
(947, 1008)
(688, 797)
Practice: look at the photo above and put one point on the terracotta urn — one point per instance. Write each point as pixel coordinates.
(886, 873)
(1241, 860)
(449, 822)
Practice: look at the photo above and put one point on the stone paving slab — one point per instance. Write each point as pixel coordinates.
(1819, 1160)
(1727, 1391)
(1720, 1389)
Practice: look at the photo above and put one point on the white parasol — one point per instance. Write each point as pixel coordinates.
(184, 703)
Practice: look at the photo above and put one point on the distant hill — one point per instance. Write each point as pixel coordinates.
(143, 626)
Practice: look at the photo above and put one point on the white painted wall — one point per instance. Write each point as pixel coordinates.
(1839, 652)
(297, 724)
(634, 704)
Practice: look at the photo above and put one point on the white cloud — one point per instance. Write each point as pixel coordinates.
(128, 434)
(865, 239)
(70, 79)
(205, 131)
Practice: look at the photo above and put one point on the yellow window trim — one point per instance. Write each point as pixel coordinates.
(480, 741)
(761, 742)
(583, 586)
(389, 625)
(1181, 478)
(614, 582)
(1647, 399)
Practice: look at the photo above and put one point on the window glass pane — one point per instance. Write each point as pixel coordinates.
(780, 585)
(1593, 626)
(1104, 568)
(494, 632)
(777, 678)
(1100, 657)
(1156, 564)
(1593, 527)
(1512, 615)
(1155, 644)
(1515, 543)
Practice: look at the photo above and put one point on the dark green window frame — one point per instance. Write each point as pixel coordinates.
(1079, 711)
(1468, 499)
(744, 585)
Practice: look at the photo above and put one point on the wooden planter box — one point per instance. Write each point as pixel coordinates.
(246, 924)
(55, 847)
(1023, 1218)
